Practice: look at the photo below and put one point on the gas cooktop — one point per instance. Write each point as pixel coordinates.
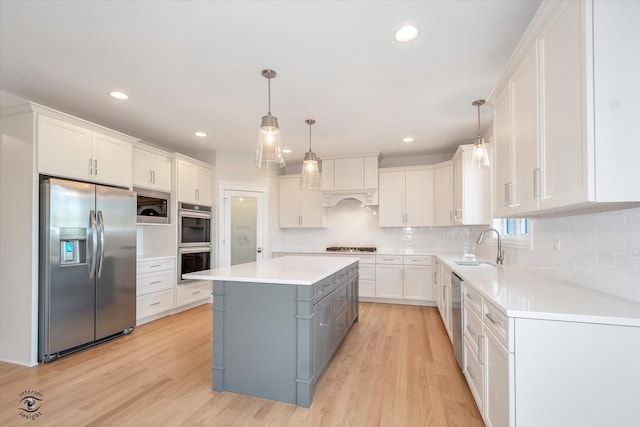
(350, 249)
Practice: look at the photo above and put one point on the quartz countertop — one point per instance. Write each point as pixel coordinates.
(295, 270)
(524, 293)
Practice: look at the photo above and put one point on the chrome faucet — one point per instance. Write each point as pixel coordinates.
(500, 256)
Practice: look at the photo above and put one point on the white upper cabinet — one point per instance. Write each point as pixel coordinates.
(443, 194)
(194, 182)
(72, 151)
(405, 197)
(151, 168)
(566, 111)
(300, 208)
(471, 189)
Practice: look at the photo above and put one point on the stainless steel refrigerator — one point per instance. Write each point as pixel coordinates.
(87, 272)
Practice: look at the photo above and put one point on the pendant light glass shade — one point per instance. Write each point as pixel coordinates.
(480, 154)
(269, 149)
(310, 178)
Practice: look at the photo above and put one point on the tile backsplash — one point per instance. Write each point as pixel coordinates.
(599, 251)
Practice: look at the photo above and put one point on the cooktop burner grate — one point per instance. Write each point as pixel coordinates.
(350, 249)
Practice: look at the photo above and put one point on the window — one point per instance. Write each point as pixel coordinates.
(515, 232)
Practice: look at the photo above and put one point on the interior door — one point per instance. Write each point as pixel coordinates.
(243, 227)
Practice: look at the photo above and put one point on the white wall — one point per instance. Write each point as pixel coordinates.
(18, 242)
(595, 251)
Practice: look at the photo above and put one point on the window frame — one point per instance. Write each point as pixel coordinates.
(517, 239)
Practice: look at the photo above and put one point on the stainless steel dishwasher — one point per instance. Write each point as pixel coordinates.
(457, 288)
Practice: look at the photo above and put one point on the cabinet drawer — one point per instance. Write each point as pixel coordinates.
(367, 259)
(148, 266)
(366, 288)
(473, 300)
(472, 328)
(152, 282)
(388, 259)
(324, 288)
(154, 303)
(189, 294)
(417, 260)
(499, 324)
(474, 373)
(340, 299)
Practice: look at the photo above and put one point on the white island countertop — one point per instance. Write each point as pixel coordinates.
(288, 270)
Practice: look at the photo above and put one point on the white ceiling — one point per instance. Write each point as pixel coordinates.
(196, 65)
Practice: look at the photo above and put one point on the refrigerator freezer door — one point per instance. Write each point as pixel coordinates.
(116, 266)
(67, 292)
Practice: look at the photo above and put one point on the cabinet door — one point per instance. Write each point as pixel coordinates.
(563, 99)
(290, 202)
(313, 214)
(391, 192)
(161, 167)
(525, 135)
(142, 168)
(499, 399)
(502, 152)
(419, 198)
(112, 160)
(388, 281)
(323, 342)
(63, 149)
(348, 173)
(203, 188)
(418, 283)
(443, 195)
(187, 182)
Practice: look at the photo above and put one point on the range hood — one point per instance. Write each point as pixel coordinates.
(350, 177)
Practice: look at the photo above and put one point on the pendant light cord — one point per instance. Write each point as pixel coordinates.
(479, 121)
(310, 137)
(269, 90)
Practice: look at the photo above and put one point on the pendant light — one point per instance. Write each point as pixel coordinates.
(269, 149)
(480, 155)
(310, 176)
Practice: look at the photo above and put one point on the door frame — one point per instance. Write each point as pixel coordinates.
(224, 223)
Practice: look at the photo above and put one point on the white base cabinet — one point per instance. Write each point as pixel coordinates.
(407, 277)
(189, 293)
(155, 282)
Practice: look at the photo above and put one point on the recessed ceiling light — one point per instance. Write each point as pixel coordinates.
(406, 34)
(119, 95)
(286, 151)
(200, 134)
(408, 139)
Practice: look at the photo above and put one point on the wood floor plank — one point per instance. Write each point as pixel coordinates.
(395, 368)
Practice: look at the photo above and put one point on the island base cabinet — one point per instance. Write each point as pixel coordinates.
(583, 375)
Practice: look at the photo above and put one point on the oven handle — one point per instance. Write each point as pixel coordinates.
(195, 214)
(194, 249)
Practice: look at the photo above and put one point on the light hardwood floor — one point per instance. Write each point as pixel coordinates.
(395, 368)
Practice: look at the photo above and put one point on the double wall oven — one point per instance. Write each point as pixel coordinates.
(195, 223)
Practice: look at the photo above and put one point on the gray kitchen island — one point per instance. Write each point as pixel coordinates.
(278, 322)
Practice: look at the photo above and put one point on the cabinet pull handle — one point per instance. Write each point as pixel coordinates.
(471, 331)
(435, 277)
(155, 303)
(151, 176)
(155, 266)
(90, 166)
(536, 183)
(444, 297)
(154, 177)
(451, 217)
(156, 282)
(196, 292)
(470, 297)
(493, 320)
(481, 349)
(95, 166)
(506, 194)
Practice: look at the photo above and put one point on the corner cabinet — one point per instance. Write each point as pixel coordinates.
(151, 168)
(194, 182)
(471, 189)
(300, 208)
(405, 197)
(566, 112)
(69, 150)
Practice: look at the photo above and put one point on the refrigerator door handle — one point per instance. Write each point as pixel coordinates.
(101, 221)
(94, 243)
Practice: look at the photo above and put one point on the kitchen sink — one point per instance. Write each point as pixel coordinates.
(475, 263)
